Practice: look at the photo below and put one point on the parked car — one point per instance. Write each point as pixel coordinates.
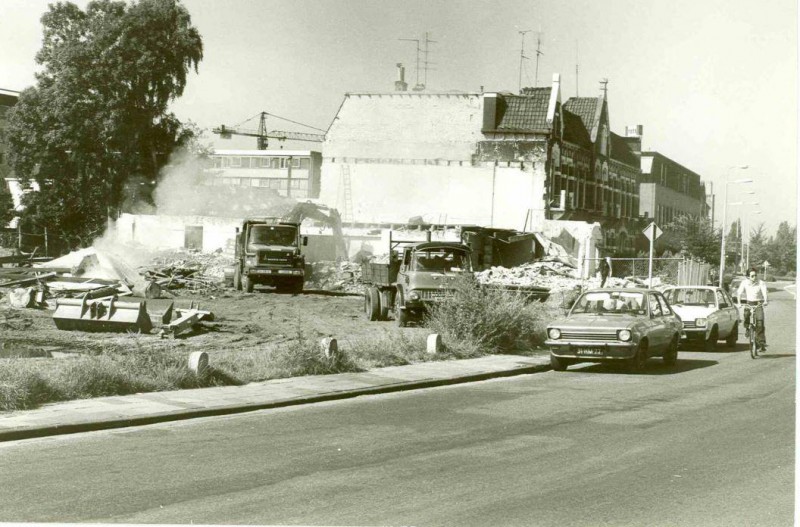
(708, 314)
(617, 325)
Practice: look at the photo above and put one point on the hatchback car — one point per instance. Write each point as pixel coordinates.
(617, 325)
(708, 314)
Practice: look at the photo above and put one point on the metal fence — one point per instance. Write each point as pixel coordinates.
(678, 271)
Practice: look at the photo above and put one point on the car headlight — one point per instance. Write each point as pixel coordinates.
(554, 333)
(624, 335)
(701, 322)
(414, 295)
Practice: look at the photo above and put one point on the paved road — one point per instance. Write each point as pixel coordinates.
(710, 443)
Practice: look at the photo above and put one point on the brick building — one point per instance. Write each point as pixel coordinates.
(492, 159)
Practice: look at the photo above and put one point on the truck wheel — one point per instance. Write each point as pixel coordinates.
(237, 278)
(247, 284)
(386, 304)
(372, 304)
(297, 287)
(400, 315)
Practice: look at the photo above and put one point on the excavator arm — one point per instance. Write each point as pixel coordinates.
(325, 215)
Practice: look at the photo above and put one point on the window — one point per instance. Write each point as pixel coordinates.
(721, 300)
(295, 162)
(664, 306)
(255, 182)
(305, 163)
(236, 162)
(275, 162)
(655, 307)
(264, 162)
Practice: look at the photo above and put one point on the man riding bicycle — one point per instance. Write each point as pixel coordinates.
(755, 293)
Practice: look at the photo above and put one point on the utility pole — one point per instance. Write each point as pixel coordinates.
(522, 56)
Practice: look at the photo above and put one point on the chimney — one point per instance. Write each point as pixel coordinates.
(633, 138)
(493, 107)
(400, 84)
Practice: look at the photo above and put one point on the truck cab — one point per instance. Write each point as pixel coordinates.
(417, 274)
(268, 252)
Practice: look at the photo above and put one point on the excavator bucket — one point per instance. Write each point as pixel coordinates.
(86, 314)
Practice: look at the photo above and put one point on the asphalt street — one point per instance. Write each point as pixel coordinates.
(710, 442)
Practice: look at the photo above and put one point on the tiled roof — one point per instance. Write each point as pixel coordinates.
(585, 108)
(524, 113)
(620, 151)
(574, 130)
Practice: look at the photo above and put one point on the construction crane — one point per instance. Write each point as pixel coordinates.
(262, 135)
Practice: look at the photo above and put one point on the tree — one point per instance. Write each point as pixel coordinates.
(694, 236)
(6, 205)
(782, 249)
(98, 116)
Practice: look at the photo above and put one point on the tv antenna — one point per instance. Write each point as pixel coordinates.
(425, 62)
(538, 54)
(576, 69)
(522, 56)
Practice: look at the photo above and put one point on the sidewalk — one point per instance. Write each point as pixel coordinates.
(147, 408)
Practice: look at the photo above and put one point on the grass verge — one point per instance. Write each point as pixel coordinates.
(474, 322)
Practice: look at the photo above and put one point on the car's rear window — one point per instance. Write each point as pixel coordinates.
(609, 302)
(690, 297)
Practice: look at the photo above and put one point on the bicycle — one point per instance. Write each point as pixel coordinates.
(756, 314)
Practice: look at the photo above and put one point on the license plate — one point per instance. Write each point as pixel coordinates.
(590, 351)
(260, 271)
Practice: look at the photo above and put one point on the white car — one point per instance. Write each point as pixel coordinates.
(708, 314)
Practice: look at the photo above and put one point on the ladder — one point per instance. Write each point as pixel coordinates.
(346, 193)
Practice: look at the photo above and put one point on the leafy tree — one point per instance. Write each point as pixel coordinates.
(98, 116)
(782, 249)
(6, 205)
(691, 235)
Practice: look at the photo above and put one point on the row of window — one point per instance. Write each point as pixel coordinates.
(261, 162)
(273, 183)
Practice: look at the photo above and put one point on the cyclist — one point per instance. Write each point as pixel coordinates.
(754, 292)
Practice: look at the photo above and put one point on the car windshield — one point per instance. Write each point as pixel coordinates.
(690, 297)
(610, 302)
(441, 259)
(272, 235)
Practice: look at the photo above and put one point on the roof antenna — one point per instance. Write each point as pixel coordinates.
(538, 54)
(604, 82)
(576, 70)
(418, 86)
(522, 57)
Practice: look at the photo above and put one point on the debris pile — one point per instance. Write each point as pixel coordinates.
(342, 277)
(550, 272)
(183, 269)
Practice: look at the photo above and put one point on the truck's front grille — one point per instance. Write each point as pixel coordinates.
(275, 258)
(434, 294)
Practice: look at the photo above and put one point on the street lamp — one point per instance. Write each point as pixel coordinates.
(725, 218)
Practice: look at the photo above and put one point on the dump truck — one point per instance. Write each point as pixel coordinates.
(416, 275)
(267, 252)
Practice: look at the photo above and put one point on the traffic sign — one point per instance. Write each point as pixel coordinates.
(652, 231)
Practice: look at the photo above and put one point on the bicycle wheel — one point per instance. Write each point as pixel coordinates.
(753, 345)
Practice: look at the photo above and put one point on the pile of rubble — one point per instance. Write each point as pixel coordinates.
(551, 273)
(344, 277)
(95, 290)
(179, 269)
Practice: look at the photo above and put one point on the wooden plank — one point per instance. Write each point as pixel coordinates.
(27, 280)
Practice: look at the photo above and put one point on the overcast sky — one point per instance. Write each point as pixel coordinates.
(713, 82)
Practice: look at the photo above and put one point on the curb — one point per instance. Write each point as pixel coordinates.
(179, 415)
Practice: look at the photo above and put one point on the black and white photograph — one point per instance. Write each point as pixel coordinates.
(420, 262)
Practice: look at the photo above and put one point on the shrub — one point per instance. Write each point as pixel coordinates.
(488, 320)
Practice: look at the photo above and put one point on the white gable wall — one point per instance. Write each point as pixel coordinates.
(409, 155)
